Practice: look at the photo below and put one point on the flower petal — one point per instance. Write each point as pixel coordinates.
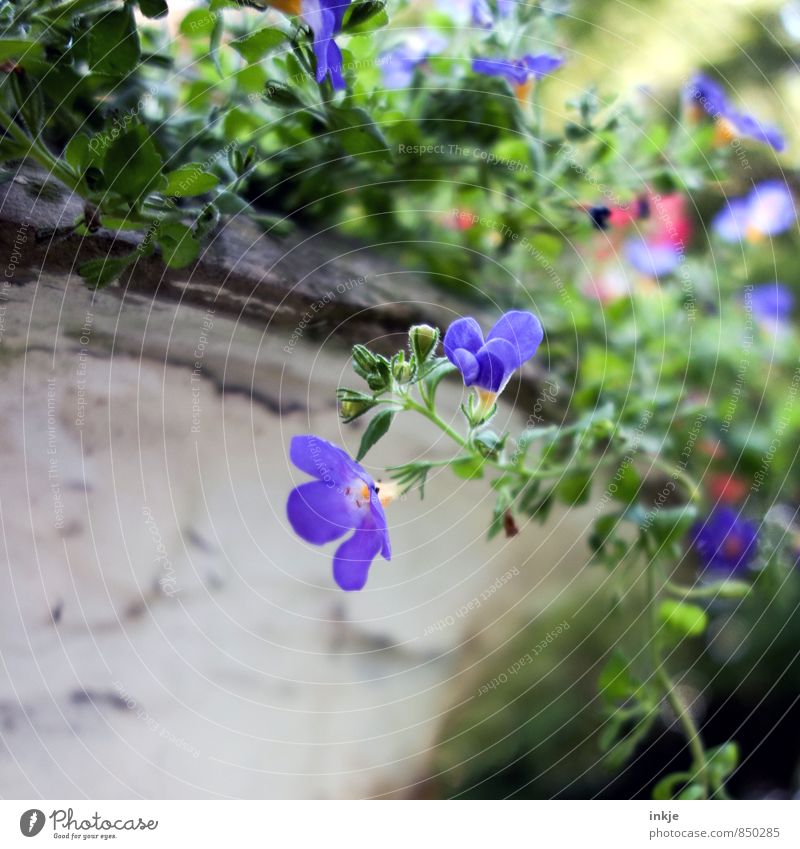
(466, 364)
(653, 260)
(497, 361)
(513, 71)
(542, 64)
(379, 518)
(771, 208)
(731, 221)
(320, 513)
(323, 460)
(464, 333)
(354, 557)
(522, 330)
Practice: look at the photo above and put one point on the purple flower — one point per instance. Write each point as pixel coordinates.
(652, 259)
(489, 364)
(725, 541)
(399, 64)
(342, 498)
(481, 14)
(709, 96)
(325, 17)
(771, 303)
(518, 71)
(767, 211)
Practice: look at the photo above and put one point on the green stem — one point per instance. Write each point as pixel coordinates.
(679, 707)
(692, 487)
(411, 404)
(37, 151)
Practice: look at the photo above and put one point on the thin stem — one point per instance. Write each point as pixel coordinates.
(673, 696)
(429, 414)
(37, 151)
(692, 487)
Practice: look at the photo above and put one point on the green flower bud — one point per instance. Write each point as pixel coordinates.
(401, 370)
(422, 340)
(488, 443)
(364, 361)
(353, 404)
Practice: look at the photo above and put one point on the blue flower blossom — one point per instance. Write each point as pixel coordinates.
(325, 17)
(399, 64)
(767, 211)
(488, 364)
(481, 14)
(771, 304)
(518, 72)
(343, 497)
(725, 541)
(652, 259)
(703, 94)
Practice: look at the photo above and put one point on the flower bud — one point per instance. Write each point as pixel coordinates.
(353, 404)
(364, 361)
(401, 370)
(422, 340)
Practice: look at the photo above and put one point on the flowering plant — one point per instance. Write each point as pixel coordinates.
(568, 221)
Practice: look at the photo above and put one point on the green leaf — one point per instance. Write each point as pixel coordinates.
(20, 49)
(616, 682)
(722, 761)
(434, 373)
(179, 245)
(189, 180)
(575, 487)
(153, 8)
(114, 43)
(604, 527)
(366, 15)
(260, 43)
(100, 272)
(132, 164)
(468, 468)
(198, 24)
(377, 428)
(626, 484)
(357, 133)
(669, 524)
(665, 789)
(683, 618)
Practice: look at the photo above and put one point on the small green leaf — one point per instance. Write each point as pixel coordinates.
(722, 761)
(100, 272)
(435, 371)
(626, 484)
(179, 245)
(357, 133)
(189, 180)
(132, 164)
(19, 49)
(153, 8)
(377, 428)
(114, 43)
(685, 619)
(669, 524)
(468, 468)
(616, 681)
(366, 15)
(198, 23)
(575, 487)
(258, 44)
(666, 788)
